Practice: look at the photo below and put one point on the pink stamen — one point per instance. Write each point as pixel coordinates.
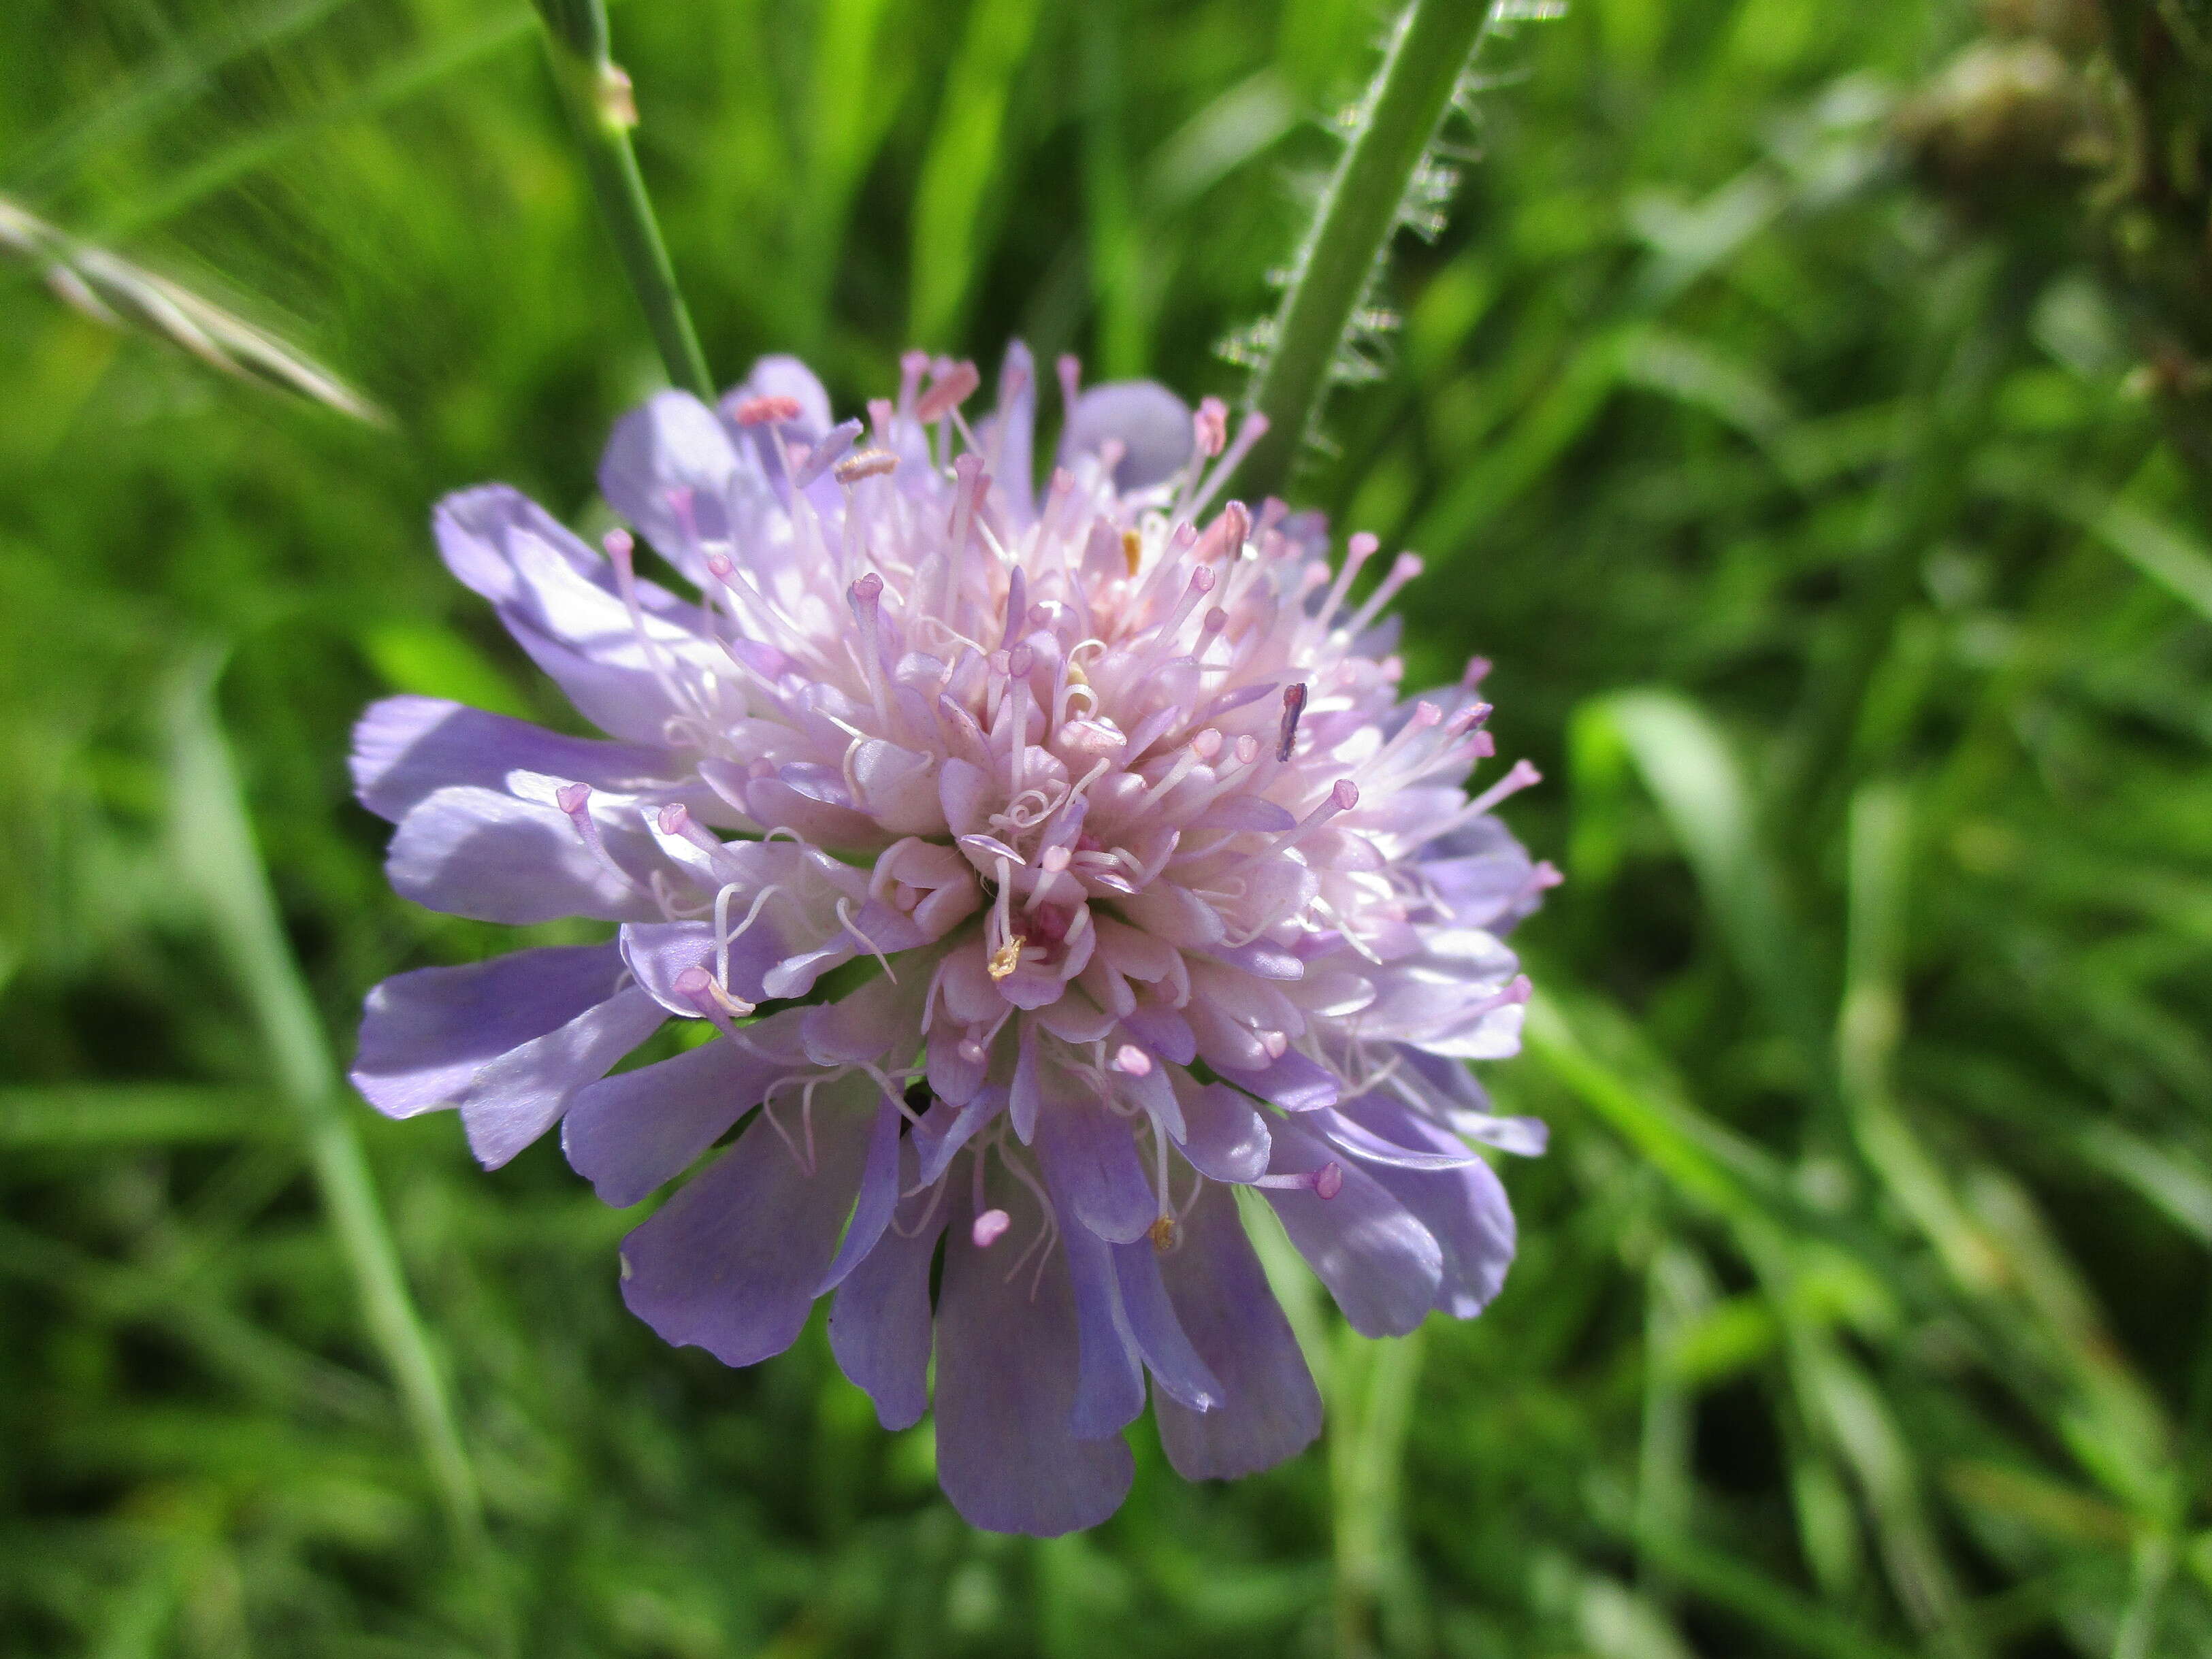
(1404, 568)
(1325, 1182)
(990, 1227)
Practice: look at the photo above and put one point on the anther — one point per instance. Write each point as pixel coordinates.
(1132, 1061)
(1294, 704)
(1133, 549)
(1228, 533)
(990, 1227)
(952, 389)
(767, 412)
(1162, 1232)
(1468, 718)
(864, 464)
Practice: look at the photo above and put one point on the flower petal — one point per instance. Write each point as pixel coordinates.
(880, 1191)
(1005, 1389)
(557, 598)
(879, 1323)
(1110, 1389)
(405, 749)
(1224, 1136)
(523, 1093)
(1178, 1371)
(1149, 421)
(1465, 1208)
(1091, 1162)
(731, 1262)
(1008, 436)
(632, 1133)
(477, 853)
(425, 1034)
(1296, 1082)
(935, 1145)
(672, 450)
(1271, 1409)
(1380, 1263)
(1344, 1131)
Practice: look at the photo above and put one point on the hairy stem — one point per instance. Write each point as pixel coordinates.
(1397, 121)
(597, 95)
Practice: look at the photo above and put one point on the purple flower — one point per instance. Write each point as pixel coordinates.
(1044, 869)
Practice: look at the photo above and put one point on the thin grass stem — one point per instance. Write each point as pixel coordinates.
(595, 93)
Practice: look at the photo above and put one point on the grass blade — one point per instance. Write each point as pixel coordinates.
(2160, 549)
(217, 857)
(135, 1114)
(1701, 788)
(958, 170)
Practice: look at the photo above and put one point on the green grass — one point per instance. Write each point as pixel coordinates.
(1851, 597)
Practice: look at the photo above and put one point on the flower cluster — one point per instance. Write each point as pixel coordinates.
(1039, 872)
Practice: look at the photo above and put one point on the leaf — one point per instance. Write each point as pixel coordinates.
(2169, 556)
(952, 200)
(112, 1116)
(1706, 800)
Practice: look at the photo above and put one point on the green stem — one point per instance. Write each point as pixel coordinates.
(1370, 1397)
(1398, 120)
(597, 95)
(216, 849)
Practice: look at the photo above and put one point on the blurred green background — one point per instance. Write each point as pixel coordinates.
(1800, 407)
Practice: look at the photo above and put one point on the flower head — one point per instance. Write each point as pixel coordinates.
(1040, 869)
